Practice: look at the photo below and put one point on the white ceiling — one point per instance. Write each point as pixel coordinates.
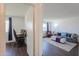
(16, 9)
(60, 10)
(50, 11)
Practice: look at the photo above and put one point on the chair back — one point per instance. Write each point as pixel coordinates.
(15, 35)
(24, 33)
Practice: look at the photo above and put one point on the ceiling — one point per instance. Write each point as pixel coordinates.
(16, 9)
(50, 10)
(60, 10)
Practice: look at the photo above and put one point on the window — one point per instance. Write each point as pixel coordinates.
(44, 26)
(6, 25)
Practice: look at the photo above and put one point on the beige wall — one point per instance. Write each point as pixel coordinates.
(2, 30)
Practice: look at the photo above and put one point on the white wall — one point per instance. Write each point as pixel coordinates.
(34, 30)
(18, 24)
(29, 28)
(70, 25)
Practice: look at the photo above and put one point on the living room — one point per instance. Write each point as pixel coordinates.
(59, 27)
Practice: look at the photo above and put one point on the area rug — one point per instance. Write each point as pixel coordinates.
(68, 46)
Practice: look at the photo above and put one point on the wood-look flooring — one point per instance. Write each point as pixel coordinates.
(50, 50)
(12, 50)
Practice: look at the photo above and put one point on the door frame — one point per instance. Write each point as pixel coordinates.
(37, 27)
(2, 29)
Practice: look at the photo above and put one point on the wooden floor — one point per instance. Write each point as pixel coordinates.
(12, 50)
(50, 50)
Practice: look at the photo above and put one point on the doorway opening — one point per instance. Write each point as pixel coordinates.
(16, 31)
